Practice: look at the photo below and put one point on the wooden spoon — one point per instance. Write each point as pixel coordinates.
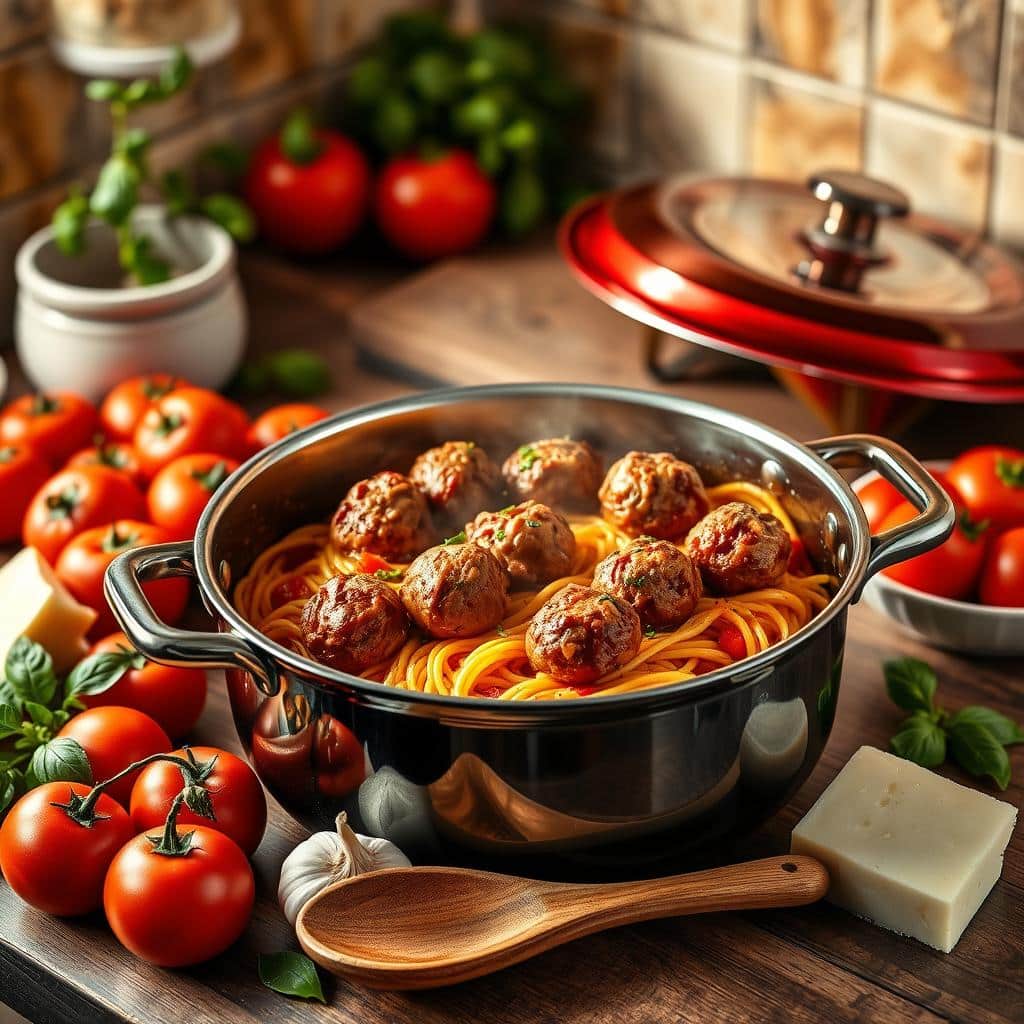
(405, 928)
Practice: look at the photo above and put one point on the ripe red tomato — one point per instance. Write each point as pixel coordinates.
(84, 559)
(879, 497)
(182, 489)
(50, 860)
(239, 806)
(172, 696)
(730, 639)
(179, 910)
(55, 425)
(22, 472)
(75, 500)
(991, 480)
(281, 421)
(1002, 575)
(433, 208)
(127, 403)
(114, 738)
(187, 422)
(951, 569)
(308, 188)
(114, 455)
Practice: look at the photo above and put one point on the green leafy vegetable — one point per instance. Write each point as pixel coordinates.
(116, 191)
(231, 214)
(458, 538)
(388, 574)
(99, 672)
(29, 671)
(911, 684)
(528, 455)
(920, 740)
(59, 760)
(10, 721)
(291, 974)
(979, 752)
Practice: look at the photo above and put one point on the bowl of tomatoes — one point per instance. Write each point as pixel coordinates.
(967, 594)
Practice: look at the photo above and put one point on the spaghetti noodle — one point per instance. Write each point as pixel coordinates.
(273, 593)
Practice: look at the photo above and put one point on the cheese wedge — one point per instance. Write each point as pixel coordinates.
(906, 848)
(34, 603)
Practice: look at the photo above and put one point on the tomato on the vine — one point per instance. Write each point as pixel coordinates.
(126, 404)
(182, 489)
(22, 472)
(115, 455)
(54, 424)
(281, 421)
(173, 696)
(84, 560)
(113, 738)
(75, 500)
(239, 806)
(189, 421)
(991, 480)
(180, 908)
(50, 860)
(430, 208)
(1002, 575)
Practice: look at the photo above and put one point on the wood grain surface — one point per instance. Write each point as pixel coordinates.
(795, 966)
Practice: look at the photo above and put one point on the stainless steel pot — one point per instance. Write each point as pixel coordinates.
(602, 779)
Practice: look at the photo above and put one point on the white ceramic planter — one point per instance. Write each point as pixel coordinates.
(77, 329)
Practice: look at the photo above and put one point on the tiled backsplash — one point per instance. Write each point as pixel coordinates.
(926, 93)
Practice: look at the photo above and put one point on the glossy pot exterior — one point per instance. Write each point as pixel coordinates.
(595, 781)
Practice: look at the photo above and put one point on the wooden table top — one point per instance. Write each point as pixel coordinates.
(520, 317)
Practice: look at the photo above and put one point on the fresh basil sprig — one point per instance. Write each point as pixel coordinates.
(975, 736)
(291, 974)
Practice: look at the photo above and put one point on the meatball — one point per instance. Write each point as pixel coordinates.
(458, 479)
(738, 548)
(653, 493)
(534, 544)
(385, 514)
(455, 590)
(655, 578)
(581, 634)
(353, 622)
(558, 472)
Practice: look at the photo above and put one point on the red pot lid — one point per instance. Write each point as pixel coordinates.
(839, 282)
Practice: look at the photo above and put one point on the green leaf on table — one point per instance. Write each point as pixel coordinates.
(116, 191)
(298, 373)
(291, 974)
(10, 721)
(911, 684)
(68, 222)
(1005, 730)
(231, 214)
(29, 671)
(60, 760)
(978, 752)
(920, 740)
(99, 672)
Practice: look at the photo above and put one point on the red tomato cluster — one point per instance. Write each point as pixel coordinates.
(983, 559)
(83, 485)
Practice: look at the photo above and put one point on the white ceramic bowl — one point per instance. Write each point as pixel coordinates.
(952, 625)
(76, 328)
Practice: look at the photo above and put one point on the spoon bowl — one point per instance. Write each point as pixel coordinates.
(423, 927)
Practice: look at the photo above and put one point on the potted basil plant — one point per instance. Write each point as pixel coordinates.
(114, 286)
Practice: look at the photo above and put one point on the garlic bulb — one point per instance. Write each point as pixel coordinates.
(328, 857)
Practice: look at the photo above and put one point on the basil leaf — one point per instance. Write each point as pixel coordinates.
(39, 713)
(29, 671)
(68, 222)
(97, 673)
(920, 740)
(12, 784)
(911, 684)
(116, 191)
(1005, 730)
(231, 214)
(175, 75)
(60, 760)
(977, 751)
(10, 721)
(291, 974)
(8, 696)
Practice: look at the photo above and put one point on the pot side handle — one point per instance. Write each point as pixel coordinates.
(122, 585)
(895, 464)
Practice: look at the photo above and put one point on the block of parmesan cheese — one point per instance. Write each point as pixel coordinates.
(34, 603)
(906, 848)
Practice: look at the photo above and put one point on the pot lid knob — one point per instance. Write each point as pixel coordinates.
(842, 246)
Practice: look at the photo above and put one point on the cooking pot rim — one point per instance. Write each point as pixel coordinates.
(748, 670)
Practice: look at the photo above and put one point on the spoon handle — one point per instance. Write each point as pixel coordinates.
(788, 881)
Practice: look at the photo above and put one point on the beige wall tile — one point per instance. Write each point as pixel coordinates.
(21, 20)
(943, 167)
(689, 107)
(822, 37)
(1013, 81)
(941, 54)
(717, 22)
(40, 123)
(1007, 219)
(794, 132)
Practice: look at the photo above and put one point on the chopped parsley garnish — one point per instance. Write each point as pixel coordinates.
(528, 455)
(533, 523)
(499, 534)
(388, 574)
(607, 597)
(650, 632)
(636, 581)
(459, 538)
